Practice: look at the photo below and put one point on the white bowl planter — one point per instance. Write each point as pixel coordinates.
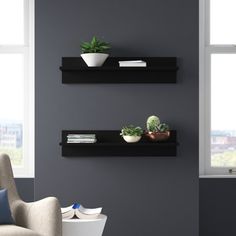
(94, 59)
(131, 139)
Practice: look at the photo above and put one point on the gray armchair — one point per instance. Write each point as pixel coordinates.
(41, 218)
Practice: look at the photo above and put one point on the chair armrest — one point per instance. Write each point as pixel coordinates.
(43, 217)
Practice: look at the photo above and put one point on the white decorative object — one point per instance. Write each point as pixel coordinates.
(94, 59)
(79, 227)
(131, 139)
(136, 63)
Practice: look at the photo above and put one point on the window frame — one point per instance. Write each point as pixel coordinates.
(205, 51)
(27, 50)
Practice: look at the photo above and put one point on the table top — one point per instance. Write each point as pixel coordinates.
(74, 220)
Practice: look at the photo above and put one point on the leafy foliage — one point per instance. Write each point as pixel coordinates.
(154, 125)
(131, 130)
(95, 46)
(163, 127)
(224, 159)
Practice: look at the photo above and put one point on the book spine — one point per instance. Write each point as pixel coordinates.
(85, 139)
(131, 61)
(82, 141)
(133, 65)
(81, 136)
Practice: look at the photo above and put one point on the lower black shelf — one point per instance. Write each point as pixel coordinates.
(110, 143)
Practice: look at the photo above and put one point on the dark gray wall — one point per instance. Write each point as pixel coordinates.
(217, 207)
(25, 188)
(167, 187)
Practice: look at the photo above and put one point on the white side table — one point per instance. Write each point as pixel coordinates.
(81, 227)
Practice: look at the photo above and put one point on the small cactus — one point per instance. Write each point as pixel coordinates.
(152, 123)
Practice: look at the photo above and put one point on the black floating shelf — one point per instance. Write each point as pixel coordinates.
(158, 70)
(110, 143)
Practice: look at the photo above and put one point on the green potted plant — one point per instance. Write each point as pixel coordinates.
(94, 52)
(131, 134)
(157, 131)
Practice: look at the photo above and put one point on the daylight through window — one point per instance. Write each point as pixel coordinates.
(217, 87)
(17, 84)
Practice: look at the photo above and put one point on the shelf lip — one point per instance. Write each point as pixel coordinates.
(101, 69)
(142, 144)
(110, 143)
(117, 142)
(162, 70)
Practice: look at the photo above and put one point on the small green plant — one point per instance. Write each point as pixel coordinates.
(131, 130)
(163, 127)
(95, 46)
(152, 123)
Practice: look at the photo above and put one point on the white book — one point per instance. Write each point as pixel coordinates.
(90, 211)
(81, 139)
(77, 210)
(131, 61)
(136, 63)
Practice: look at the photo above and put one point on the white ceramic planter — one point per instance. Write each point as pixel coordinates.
(131, 139)
(94, 59)
(82, 227)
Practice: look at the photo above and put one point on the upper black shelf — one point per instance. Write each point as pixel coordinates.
(158, 70)
(110, 143)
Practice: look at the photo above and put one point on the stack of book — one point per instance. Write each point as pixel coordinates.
(136, 63)
(78, 211)
(81, 138)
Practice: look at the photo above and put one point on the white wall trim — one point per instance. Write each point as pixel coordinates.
(205, 52)
(28, 51)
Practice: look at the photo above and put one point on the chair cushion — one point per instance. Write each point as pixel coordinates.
(13, 230)
(5, 212)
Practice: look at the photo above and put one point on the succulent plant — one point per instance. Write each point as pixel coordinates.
(95, 46)
(131, 130)
(152, 123)
(163, 127)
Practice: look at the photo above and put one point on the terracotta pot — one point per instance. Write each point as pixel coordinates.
(157, 136)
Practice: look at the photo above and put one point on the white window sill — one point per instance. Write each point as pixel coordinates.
(23, 177)
(217, 176)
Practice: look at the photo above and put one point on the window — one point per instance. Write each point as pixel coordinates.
(217, 87)
(17, 84)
